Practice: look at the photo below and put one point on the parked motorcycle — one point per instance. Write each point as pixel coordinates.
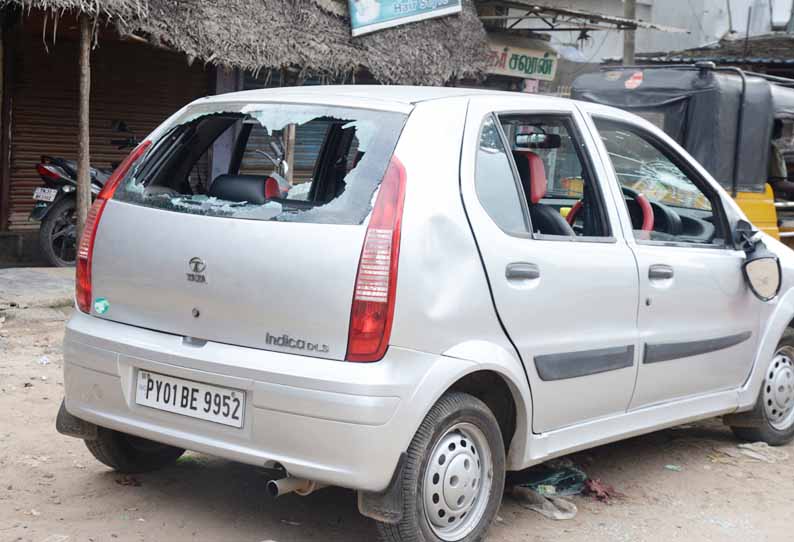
(56, 202)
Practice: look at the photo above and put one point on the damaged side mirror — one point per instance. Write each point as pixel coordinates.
(761, 269)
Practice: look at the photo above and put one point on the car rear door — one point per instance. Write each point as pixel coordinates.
(568, 304)
(697, 318)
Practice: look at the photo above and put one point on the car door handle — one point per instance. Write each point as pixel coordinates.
(522, 271)
(660, 272)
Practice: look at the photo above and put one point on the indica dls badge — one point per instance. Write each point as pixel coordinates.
(101, 305)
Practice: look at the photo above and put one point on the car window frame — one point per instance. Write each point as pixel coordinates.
(516, 179)
(682, 163)
(585, 158)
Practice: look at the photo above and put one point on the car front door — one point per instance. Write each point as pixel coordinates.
(697, 318)
(566, 295)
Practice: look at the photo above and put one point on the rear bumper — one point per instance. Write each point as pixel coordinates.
(335, 422)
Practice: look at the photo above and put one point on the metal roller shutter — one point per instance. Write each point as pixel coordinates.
(129, 81)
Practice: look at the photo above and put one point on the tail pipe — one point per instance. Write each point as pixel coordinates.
(300, 486)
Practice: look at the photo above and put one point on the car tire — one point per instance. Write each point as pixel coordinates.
(774, 410)
(454, 472)
(129, 454)
(60, 216)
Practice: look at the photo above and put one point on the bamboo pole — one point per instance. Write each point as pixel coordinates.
(83, 155)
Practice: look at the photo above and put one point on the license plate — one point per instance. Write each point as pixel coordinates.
(188, 398)
(45, 194)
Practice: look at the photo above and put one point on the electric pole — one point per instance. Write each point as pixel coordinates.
(629, 12)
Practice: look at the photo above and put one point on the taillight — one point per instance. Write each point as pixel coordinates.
(376, 282)
(85, 249)
(48, 172)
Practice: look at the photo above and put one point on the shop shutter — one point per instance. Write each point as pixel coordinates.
(130, 82)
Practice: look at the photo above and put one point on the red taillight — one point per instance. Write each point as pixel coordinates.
(48, 172)
(85, 249)
(373, 298)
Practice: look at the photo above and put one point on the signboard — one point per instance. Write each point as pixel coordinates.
(524, 63)
(370, 15)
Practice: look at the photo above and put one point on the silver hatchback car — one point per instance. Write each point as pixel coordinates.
(410, 291)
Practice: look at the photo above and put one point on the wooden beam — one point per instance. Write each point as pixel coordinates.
(83, 134)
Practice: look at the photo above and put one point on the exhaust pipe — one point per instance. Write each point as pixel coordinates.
(300, 486)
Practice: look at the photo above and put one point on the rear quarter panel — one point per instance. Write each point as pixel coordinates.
(443, 303)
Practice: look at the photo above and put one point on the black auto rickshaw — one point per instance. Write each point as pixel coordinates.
(724, 117)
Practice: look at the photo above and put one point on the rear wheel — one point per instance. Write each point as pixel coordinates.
(774, 410)
(58, 234)
(129, 454)
(454, 475)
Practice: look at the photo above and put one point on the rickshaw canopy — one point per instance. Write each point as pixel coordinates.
(721, 116)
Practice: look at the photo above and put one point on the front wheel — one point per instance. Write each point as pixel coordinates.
(774, 410)
(58, 233)
(454, 475)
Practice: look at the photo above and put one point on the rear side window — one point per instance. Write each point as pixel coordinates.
(297, 163)
(495, 183)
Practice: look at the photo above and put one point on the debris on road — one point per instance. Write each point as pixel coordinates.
(674, 468)
(44, 360)
(601, 491)
(558, 478)
(755, 451)
(555, 508)
(128, 481)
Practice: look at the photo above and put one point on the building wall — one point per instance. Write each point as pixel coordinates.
(706, 21)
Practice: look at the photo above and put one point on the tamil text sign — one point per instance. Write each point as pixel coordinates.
(520, 62)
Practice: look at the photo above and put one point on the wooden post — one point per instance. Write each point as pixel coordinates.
(629, 12)
(83, 155)
(5, 191)
(289, 151)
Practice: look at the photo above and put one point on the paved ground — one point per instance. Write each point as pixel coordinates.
(52, 490)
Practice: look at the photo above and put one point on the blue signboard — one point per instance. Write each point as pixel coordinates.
(371, 15)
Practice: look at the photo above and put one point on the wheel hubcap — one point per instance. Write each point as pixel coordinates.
(779, 392)
(457, 482)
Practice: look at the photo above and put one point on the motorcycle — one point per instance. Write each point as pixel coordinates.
(56, 202)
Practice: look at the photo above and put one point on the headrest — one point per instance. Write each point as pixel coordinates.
(272, 189)
(250, 188)
(533, 174)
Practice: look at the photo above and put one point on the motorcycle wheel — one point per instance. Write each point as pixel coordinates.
(58, 234)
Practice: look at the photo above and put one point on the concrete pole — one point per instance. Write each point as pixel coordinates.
(83, 155)
(629, 12)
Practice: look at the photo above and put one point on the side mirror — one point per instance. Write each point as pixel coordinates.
(762, 267)
(762, 273)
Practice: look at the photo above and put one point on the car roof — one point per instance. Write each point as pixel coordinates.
(395, 94)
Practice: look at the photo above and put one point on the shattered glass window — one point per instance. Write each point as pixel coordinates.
(682, 211)
(282, 162)
(642, 167)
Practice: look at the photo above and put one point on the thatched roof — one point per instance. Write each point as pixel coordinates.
(313, 35)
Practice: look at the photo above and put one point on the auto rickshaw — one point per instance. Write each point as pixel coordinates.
(723, 116)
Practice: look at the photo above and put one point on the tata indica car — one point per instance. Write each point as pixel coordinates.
(410, 291)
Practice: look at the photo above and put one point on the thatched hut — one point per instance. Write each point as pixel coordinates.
(312, 36)
(145, 58)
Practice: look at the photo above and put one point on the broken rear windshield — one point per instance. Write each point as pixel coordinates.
(298, 163)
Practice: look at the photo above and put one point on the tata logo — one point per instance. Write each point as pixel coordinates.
(197, 268)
